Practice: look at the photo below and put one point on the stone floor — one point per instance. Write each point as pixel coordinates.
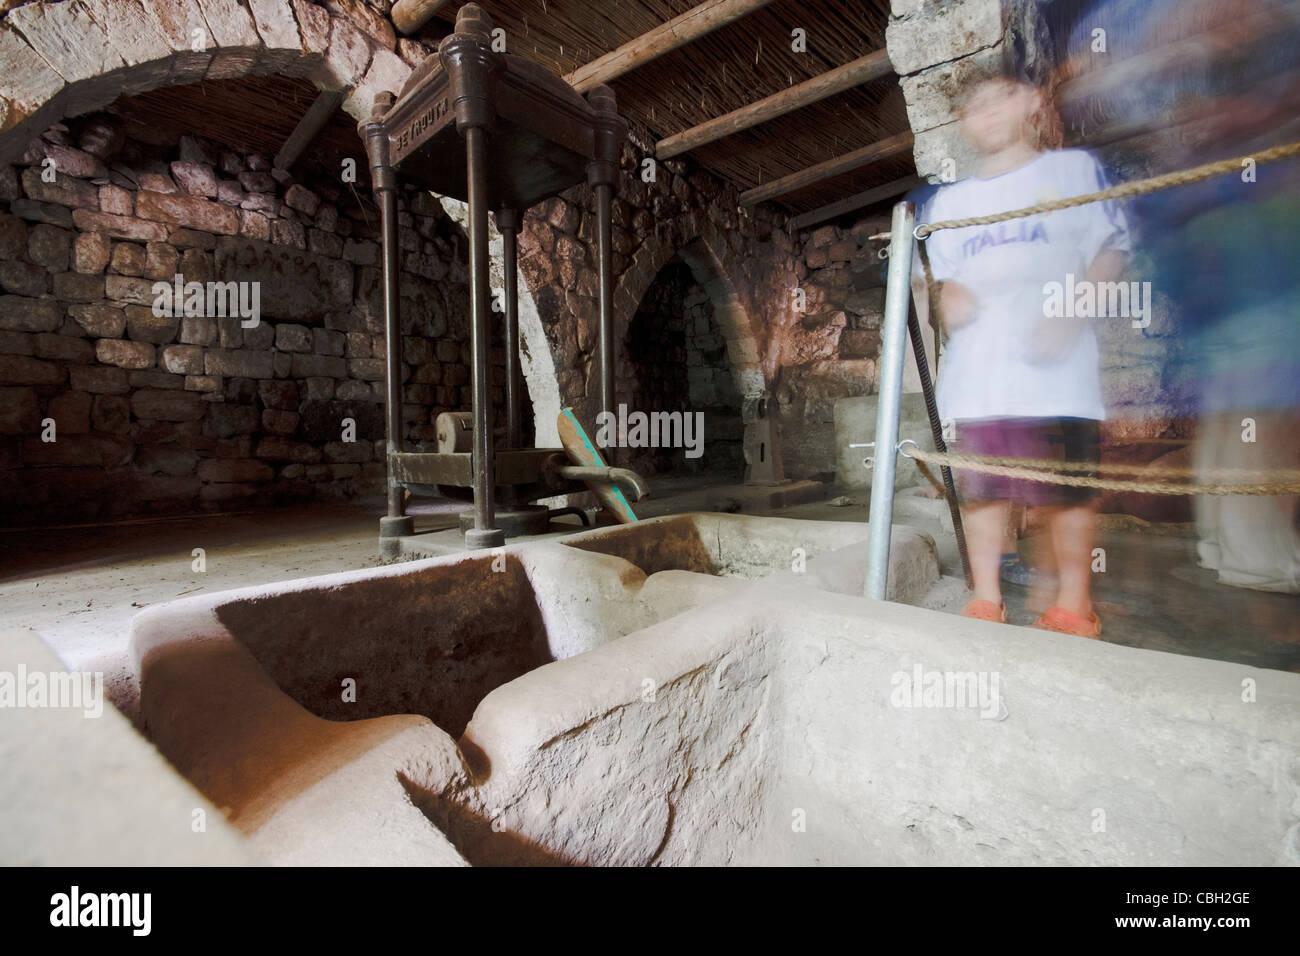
(78, 587)
(1152, 594)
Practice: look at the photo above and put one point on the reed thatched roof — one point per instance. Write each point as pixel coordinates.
(725, 70)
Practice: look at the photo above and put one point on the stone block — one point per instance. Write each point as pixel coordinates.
(198, 330)
(154, 378)
(279, 422)
(116, 200)
(90, 252)
(63, 191)
(33, 211)
(22, 314)
(17, 343)
(189, 211)
(143, 326)
(110, 413)
(64, 348)
(74, 287)
(367, 370)
(228, 420)
(228, 470)
(295, 284)
(25, 370)
(118, 226)
(20, 412)
(279, 395)
(78, 450)
(183, 238)
(202, 383)
(941, 33)
(195, 179)
(319, 366)
(50, 247)
(166, 460)
(99, 379)
(276, 448)
(71, 413)
(124, 354)
(99, 321)
(23, 278)
(260, 336)
(13, 237)
(302, 199)
(182, 359)
(167, 405)
(238, 362)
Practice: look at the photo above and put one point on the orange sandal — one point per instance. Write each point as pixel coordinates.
(1061, 621)
(982, 610)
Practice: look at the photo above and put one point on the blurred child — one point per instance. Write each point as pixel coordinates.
(1019, 380)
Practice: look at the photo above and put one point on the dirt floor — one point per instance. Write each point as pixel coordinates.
(78, 587)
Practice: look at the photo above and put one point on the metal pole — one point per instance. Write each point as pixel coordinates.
(508, 223)
(604, 193)
(936, 431)
(392, 336)
(483, 534)
(892, 352)
(384, 180)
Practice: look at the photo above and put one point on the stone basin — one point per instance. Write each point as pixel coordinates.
(599, 699)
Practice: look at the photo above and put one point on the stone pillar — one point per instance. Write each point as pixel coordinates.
(937, 46)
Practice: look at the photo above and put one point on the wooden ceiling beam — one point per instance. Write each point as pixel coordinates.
(308, 128)
(858, 201)
(851, 74)
(409, 15)
(881, 149)
(679, 31)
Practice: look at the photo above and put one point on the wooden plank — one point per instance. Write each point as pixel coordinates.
(308, 128)
(583, 451)
(834, 81)
(881, 149)
(679, 31)
(857, 201)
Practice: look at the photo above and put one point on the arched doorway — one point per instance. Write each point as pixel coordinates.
(677, 358)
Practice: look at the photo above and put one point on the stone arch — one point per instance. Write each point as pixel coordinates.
(77, 56)
(701, 257)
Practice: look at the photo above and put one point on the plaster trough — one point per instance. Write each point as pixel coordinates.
(684, 696)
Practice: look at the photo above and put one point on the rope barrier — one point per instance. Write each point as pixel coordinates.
(1051, 472)
(1249, 482)
(1137, 187)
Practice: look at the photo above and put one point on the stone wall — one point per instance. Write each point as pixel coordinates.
(176, 413)
(837, 354)
(679, 361)
(711, 388)
(750, 268)
(936, 46)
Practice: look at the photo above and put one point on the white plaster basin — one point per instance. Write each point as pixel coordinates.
(610, 717)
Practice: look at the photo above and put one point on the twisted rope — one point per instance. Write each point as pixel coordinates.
(1054, 472)
(1248, 481)
(1137, 187)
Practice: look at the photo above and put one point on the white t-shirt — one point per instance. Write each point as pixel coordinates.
(986, 371)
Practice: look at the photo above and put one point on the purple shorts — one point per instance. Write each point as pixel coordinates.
(1057, 439)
